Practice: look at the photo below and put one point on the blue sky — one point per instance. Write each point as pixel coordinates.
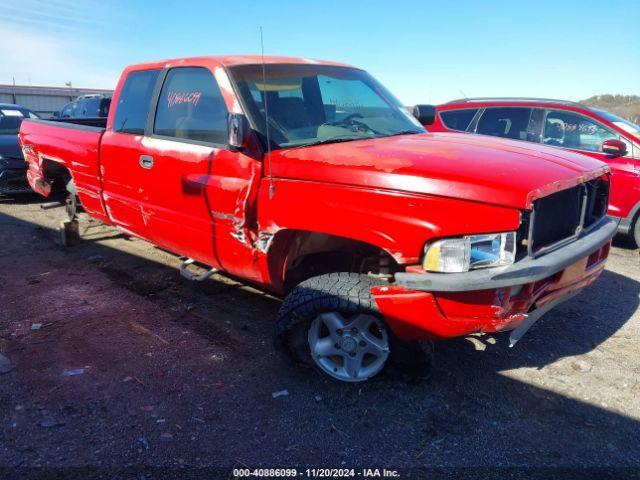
(424, 51)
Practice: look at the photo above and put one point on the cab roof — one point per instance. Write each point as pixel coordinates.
(234, 60)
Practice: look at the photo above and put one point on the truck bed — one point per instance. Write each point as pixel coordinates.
(50, 147)
(100, 122)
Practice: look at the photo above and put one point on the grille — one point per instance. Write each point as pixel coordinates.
(561, 216)
(597, 201)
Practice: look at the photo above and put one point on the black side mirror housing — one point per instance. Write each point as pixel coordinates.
(238, 131)
(426, 114)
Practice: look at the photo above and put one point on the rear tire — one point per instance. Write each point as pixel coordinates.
(636, 231)
(331, 322)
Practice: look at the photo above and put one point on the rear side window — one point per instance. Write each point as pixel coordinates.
(191, 107)
(458, 119)
(507, 122)
(133, 105)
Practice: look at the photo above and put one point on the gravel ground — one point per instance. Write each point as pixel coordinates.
(118, 364)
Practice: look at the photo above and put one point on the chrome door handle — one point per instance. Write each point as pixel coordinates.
(146, 161)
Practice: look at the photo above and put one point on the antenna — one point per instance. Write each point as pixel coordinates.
(272, 187)
(460, 90)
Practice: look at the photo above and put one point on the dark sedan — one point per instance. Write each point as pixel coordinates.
(13, 168)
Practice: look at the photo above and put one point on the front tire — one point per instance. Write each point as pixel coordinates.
(636, 231)
(331, 322)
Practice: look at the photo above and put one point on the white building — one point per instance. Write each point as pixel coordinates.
(43, 100)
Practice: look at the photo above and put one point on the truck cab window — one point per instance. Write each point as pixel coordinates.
(458, 119)
(313, 104)
(191, 107)
(133, 105)
(507, 122)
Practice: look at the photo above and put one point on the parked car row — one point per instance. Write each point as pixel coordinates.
(590, 131)
(310, 180)
(90, 109)
(13, 168)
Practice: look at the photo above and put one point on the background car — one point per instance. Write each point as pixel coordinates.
(563, 124)
(13, 168)
(86, 106)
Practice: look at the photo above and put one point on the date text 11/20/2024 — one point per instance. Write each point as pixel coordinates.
(315, 473)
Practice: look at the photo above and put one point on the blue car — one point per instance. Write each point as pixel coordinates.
(13, 168)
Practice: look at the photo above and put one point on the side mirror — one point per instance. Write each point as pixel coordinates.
(56, 115)
(426, 114)
(614, 147)
(238, 130)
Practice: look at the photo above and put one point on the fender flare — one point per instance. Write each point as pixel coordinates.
(626, 223)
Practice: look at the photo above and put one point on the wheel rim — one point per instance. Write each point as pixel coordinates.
(349, 349)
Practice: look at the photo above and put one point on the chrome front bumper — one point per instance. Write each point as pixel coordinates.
(522, 272)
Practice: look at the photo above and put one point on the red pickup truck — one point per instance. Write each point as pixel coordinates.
(310, 180)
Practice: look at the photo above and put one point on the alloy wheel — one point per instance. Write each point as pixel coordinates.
(350, 349)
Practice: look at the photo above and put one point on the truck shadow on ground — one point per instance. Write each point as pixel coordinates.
(571, 329)
(28, 199)
(624, 241)
(470, 403)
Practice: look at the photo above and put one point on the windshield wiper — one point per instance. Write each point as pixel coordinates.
(404, 132)
(349, 138)
(336, 139)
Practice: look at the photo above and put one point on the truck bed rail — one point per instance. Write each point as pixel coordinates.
(90, 124)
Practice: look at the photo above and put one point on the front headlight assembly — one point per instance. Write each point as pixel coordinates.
(461, 254)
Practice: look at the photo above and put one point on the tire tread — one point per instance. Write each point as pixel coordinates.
(343, 291)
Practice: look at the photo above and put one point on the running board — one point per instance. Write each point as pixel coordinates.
(534, 316)
(192, 276)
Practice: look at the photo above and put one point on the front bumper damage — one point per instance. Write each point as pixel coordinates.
(435, 305)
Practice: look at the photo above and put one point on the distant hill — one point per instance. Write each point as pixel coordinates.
(627, 106)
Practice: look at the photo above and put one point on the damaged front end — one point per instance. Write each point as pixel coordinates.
(560, 259)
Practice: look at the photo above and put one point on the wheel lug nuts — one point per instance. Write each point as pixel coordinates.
(337, 345)
(363, 343)
(354, 330)
(352, 354)
(339, 331)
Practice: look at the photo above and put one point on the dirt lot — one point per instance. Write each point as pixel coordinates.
(133, 367)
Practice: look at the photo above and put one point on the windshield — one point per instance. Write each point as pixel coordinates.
(11, 118)
(620, 122)
(312, 104)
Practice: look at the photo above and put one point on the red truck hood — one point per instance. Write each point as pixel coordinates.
(470, 167)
